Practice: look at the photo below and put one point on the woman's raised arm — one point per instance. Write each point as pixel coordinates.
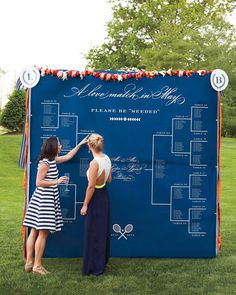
(70, 154)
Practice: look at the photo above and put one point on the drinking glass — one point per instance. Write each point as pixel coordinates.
(68, 179)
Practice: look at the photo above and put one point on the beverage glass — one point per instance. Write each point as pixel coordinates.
(68, 179)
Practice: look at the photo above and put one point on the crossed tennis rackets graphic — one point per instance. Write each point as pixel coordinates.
(117, 229)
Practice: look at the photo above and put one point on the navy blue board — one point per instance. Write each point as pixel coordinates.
(161, 136)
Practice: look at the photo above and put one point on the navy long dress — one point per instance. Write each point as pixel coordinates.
(96, 235)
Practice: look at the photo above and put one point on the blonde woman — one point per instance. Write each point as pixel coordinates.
(96, 210)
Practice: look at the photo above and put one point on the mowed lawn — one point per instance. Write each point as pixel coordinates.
(123, 276)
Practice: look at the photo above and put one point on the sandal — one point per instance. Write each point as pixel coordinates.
(47, 272)
(40, 270)
(28, 267)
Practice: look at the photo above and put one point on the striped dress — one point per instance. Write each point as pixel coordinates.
(44, 211)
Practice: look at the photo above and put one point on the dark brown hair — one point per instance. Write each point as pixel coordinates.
(49, 149)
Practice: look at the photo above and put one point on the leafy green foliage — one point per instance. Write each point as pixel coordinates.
(177, 34)
(164, 34)
(229, 121)
(13, 114)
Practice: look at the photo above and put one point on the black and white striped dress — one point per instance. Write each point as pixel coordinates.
(44, 211)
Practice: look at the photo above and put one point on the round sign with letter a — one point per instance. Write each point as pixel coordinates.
(219, 80)
(29, 77)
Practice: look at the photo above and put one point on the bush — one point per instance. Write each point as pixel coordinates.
(229, 121)
(13, 114)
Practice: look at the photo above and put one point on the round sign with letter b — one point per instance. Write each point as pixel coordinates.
(219, 80)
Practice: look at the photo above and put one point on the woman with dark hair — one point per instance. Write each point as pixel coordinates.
(43, 213)
(96, 209)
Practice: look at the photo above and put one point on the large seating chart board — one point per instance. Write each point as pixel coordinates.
(161, 135)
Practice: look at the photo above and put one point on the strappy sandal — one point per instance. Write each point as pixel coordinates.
(40, 270)
(47, 272)
(28, 267)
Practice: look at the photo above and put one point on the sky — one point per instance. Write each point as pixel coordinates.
(53, 33)
(50, 32)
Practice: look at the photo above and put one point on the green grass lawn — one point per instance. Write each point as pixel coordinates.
(123, 276)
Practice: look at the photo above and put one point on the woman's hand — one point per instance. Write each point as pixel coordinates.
(83, 210)
(62, 179)
(84, 141)
(70, 155)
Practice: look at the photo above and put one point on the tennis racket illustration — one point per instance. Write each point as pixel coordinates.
(117, 229)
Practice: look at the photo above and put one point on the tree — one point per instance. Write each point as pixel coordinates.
(229, 122)
(177, 34)
(13, 114)
(163, 34)
(2, 72)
